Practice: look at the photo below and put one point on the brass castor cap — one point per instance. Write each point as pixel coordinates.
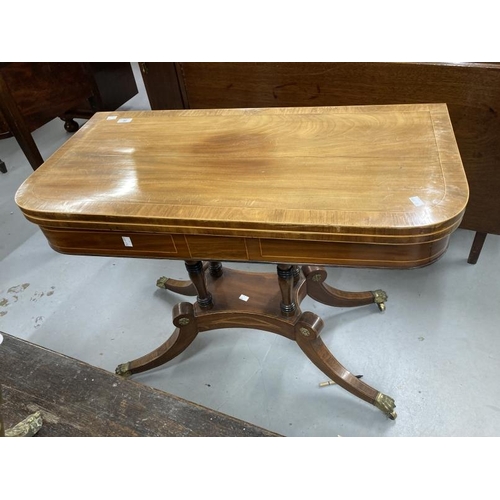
(123, 370)
(386, 404)
(380, 298)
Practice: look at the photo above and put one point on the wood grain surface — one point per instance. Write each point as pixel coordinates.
(470, 91)
(362, 175)
(77, 400)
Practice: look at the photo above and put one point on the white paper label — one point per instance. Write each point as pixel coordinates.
(114, 117)
(417, 201)
(124, 120)
(244, 297)
(127, 241)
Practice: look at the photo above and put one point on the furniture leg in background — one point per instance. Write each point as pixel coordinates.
(3, 168)
(476, 248)
(18, 127)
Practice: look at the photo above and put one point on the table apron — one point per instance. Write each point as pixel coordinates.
(241, 249)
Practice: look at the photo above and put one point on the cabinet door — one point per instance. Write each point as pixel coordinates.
(164, 86)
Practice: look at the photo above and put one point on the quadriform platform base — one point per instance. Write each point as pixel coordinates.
(361, 186)
(269, 307)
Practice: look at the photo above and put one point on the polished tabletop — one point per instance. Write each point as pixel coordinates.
(387, 175)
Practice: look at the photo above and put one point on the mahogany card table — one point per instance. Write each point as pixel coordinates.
(363, 186)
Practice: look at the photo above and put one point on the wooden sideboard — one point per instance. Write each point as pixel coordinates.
(32, 94)
(470, 91)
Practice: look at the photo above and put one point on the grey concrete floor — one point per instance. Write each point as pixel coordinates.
(436, 350)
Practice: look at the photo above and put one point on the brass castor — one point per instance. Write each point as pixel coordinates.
(386, 404)
(380, 298)
(123, 370)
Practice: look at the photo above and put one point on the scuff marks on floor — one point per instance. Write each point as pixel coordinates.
(18, 288)
(13, 291)
(36, 296)
(39, 321)
(14, 294)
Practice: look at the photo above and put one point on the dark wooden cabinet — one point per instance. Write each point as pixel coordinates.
(32, 94)
(471, 91)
